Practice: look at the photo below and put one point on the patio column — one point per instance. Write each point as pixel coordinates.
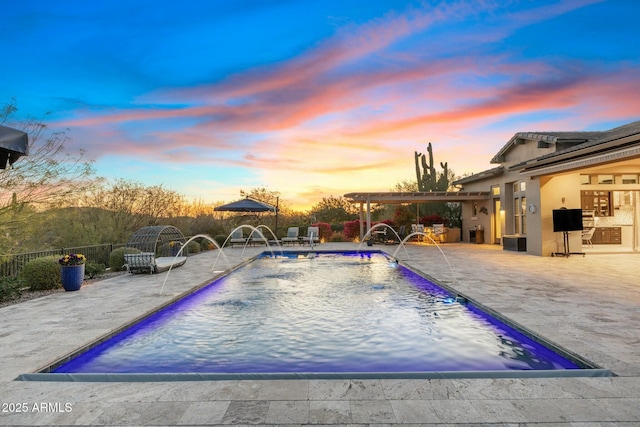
(361, 221)
(368, 213)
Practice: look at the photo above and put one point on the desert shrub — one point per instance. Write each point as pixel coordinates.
(220, 238)
(337, 237)
(429, 220)
(337, 228)
(206, 245)
(42, 273)
(94, 269)
(351, 230)
(10, 288)
(194, 247)
(116, 257)
(163, 250)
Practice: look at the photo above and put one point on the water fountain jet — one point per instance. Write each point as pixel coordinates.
(205, 236)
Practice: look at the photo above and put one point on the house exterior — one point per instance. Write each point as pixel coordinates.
(539, 172)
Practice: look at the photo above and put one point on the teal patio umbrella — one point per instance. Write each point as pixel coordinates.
(249, 205)
(13, 145)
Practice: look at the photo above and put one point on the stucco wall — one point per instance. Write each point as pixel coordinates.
(558, 192)
(534, 219)
(525, 151)
(469, 220)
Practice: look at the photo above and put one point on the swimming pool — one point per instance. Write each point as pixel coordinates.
(317, 314)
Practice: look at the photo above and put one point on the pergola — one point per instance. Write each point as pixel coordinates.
(397, 198)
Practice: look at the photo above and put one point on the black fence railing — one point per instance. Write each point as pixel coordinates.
(11, 265)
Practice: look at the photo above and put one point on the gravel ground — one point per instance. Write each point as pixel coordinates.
(29, 295)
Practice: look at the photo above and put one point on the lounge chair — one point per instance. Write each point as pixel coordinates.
(140, 263)
(292, 235)
(237, 238)
(312, 233)
(257, 237)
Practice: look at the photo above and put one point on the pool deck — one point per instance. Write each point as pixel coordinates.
(588, 305)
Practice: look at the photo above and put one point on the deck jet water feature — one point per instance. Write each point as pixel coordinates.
(221, 252)
(380, 225)
(204, 236)
(264, 239)
(422, 233)
(311, 240)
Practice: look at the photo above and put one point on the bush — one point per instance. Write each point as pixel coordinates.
(10, 288)
(116, 257)
(42, 273)
(193, 247)
(337, 237)
(220, 238)
(206, 245)
(337, 228)
(94, 269)
(429, 220)
(351, 230)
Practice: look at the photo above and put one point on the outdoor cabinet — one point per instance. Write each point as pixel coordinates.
(514, 243)
(476, 235)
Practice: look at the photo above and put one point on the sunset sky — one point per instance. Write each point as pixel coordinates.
(313, 98)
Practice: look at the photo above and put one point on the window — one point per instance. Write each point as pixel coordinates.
(517, 215)
(605, 179)
(519, 208)
(629, 179)
(523, 212)
(495, 191)
(585, 179)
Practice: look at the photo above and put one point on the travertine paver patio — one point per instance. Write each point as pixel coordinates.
(589, 305)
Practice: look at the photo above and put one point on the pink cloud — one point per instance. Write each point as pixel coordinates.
(354, 105)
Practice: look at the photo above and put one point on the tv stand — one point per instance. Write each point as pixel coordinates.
(566, 252)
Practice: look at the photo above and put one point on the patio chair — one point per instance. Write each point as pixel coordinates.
(237, 238)
(439, 233)
(292, 235)
(402, 231)
(312, 233)
(415, 228)
(587, 235)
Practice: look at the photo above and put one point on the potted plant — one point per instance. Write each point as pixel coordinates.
(175, 247)
(72, 271)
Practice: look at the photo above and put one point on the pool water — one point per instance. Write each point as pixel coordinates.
(322, 312)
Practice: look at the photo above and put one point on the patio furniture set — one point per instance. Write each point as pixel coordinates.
(293, 237)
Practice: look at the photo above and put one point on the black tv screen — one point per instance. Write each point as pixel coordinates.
(567, 220)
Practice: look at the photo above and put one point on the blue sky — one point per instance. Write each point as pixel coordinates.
(312, 98)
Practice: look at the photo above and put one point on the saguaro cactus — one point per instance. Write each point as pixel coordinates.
(428, 178)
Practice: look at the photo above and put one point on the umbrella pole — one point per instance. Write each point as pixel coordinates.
(276, 227)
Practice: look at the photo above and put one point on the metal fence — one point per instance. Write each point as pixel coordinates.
(11, 265)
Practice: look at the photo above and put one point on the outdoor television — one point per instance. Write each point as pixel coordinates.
(567, 220)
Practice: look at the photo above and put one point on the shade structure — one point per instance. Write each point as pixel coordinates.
(247, 205)
(13, 145)
(159, 239)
